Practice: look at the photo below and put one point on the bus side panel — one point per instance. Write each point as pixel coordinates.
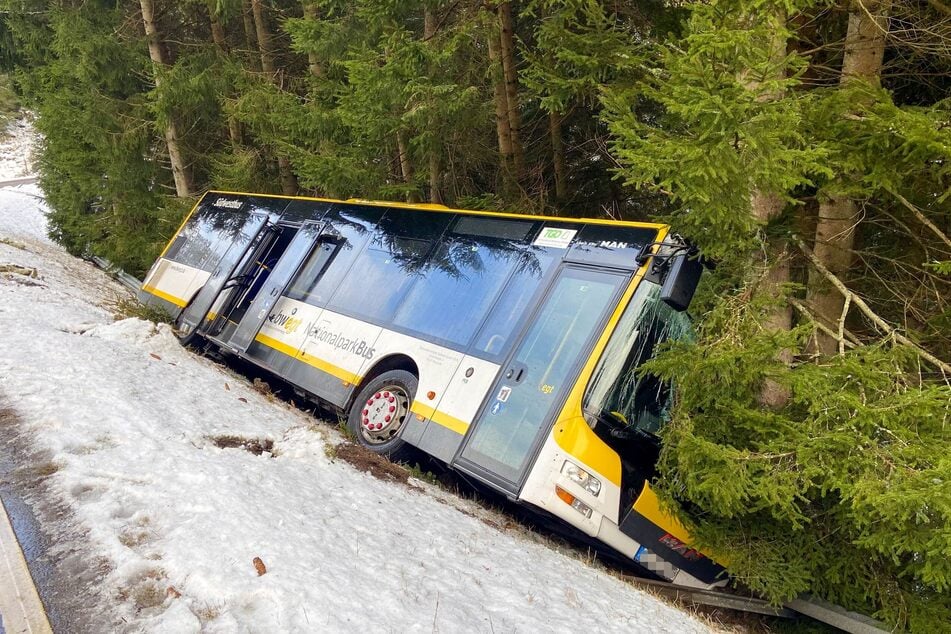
(448, 420)
(171, 285)
(278, 347)
(329, 354)
(282, 334)
(341, 346)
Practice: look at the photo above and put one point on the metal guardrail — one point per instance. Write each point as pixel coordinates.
(13, 182)
(810, 606)
(130, 282)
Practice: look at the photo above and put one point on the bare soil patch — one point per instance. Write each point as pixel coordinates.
(365, 460)
(256, 446)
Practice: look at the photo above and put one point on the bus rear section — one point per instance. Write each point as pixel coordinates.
(505, 346)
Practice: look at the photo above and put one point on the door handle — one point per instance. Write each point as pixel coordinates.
(516, 373)
(273, 291)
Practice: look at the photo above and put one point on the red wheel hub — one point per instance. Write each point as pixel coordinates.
(383, 414)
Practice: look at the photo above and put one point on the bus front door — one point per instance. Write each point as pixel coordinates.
(310, 236)
(194, 313)
(504, 439)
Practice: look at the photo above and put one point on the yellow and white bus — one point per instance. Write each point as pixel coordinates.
(504, 345)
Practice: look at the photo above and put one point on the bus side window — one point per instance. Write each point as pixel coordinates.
(451, 298)
(206, 236)
(508, 313)
(384, 272)
(315, 284)
(304, 286)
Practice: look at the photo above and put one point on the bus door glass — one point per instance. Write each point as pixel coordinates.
(533, 383)
(242, 236)
(313, 237)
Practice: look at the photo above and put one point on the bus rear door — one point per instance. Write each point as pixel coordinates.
(318, 238)
(503, 440)
(194, 314)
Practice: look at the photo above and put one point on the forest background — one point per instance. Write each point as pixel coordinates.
(804, 145)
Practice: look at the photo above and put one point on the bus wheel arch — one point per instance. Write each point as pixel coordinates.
(380, 406)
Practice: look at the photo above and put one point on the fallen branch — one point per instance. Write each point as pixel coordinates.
(879, 323)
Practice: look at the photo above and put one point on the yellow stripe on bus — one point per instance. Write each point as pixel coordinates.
(440, 418)
(309, 359)
(178, 301)
(452, 210)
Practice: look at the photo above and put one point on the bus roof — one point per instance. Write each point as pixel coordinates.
(445, 209)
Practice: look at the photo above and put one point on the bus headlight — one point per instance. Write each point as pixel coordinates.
(576, 474)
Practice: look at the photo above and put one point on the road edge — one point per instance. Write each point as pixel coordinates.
(21, 609)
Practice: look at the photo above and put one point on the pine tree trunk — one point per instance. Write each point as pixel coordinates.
(313, 63)
(218, 33)
(558, 156)
(180, 173)
(838, 214)
(234, 133)
(429, 23)
(249, 37)
(263, 35)
(435, 178)
(218, 37)
(435, 152)
(507, 51)
(406, 164)
(289, 185)
(502, 128)
(765, 207)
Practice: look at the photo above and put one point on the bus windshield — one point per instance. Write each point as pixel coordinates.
(616, 394)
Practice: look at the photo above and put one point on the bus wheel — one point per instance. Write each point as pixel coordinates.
(191, 338)
(380, 411)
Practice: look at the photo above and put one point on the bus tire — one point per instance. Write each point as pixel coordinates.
(380, 410)
(192, 339)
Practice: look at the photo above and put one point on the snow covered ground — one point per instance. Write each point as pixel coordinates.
(121, 420)
(16, 149)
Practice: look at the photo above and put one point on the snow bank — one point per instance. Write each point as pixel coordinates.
(16, 149)
(172, 522)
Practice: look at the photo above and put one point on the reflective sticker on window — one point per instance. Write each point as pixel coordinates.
(553, 237)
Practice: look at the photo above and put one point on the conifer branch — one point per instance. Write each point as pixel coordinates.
(845, 312)
(847, 338)
(921, 217)
(879, 323)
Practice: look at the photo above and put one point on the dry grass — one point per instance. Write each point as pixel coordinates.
(16, 269)
(14, 243)
(127, 307)
(7, 415)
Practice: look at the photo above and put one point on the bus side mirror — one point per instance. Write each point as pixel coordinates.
(683, 275)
